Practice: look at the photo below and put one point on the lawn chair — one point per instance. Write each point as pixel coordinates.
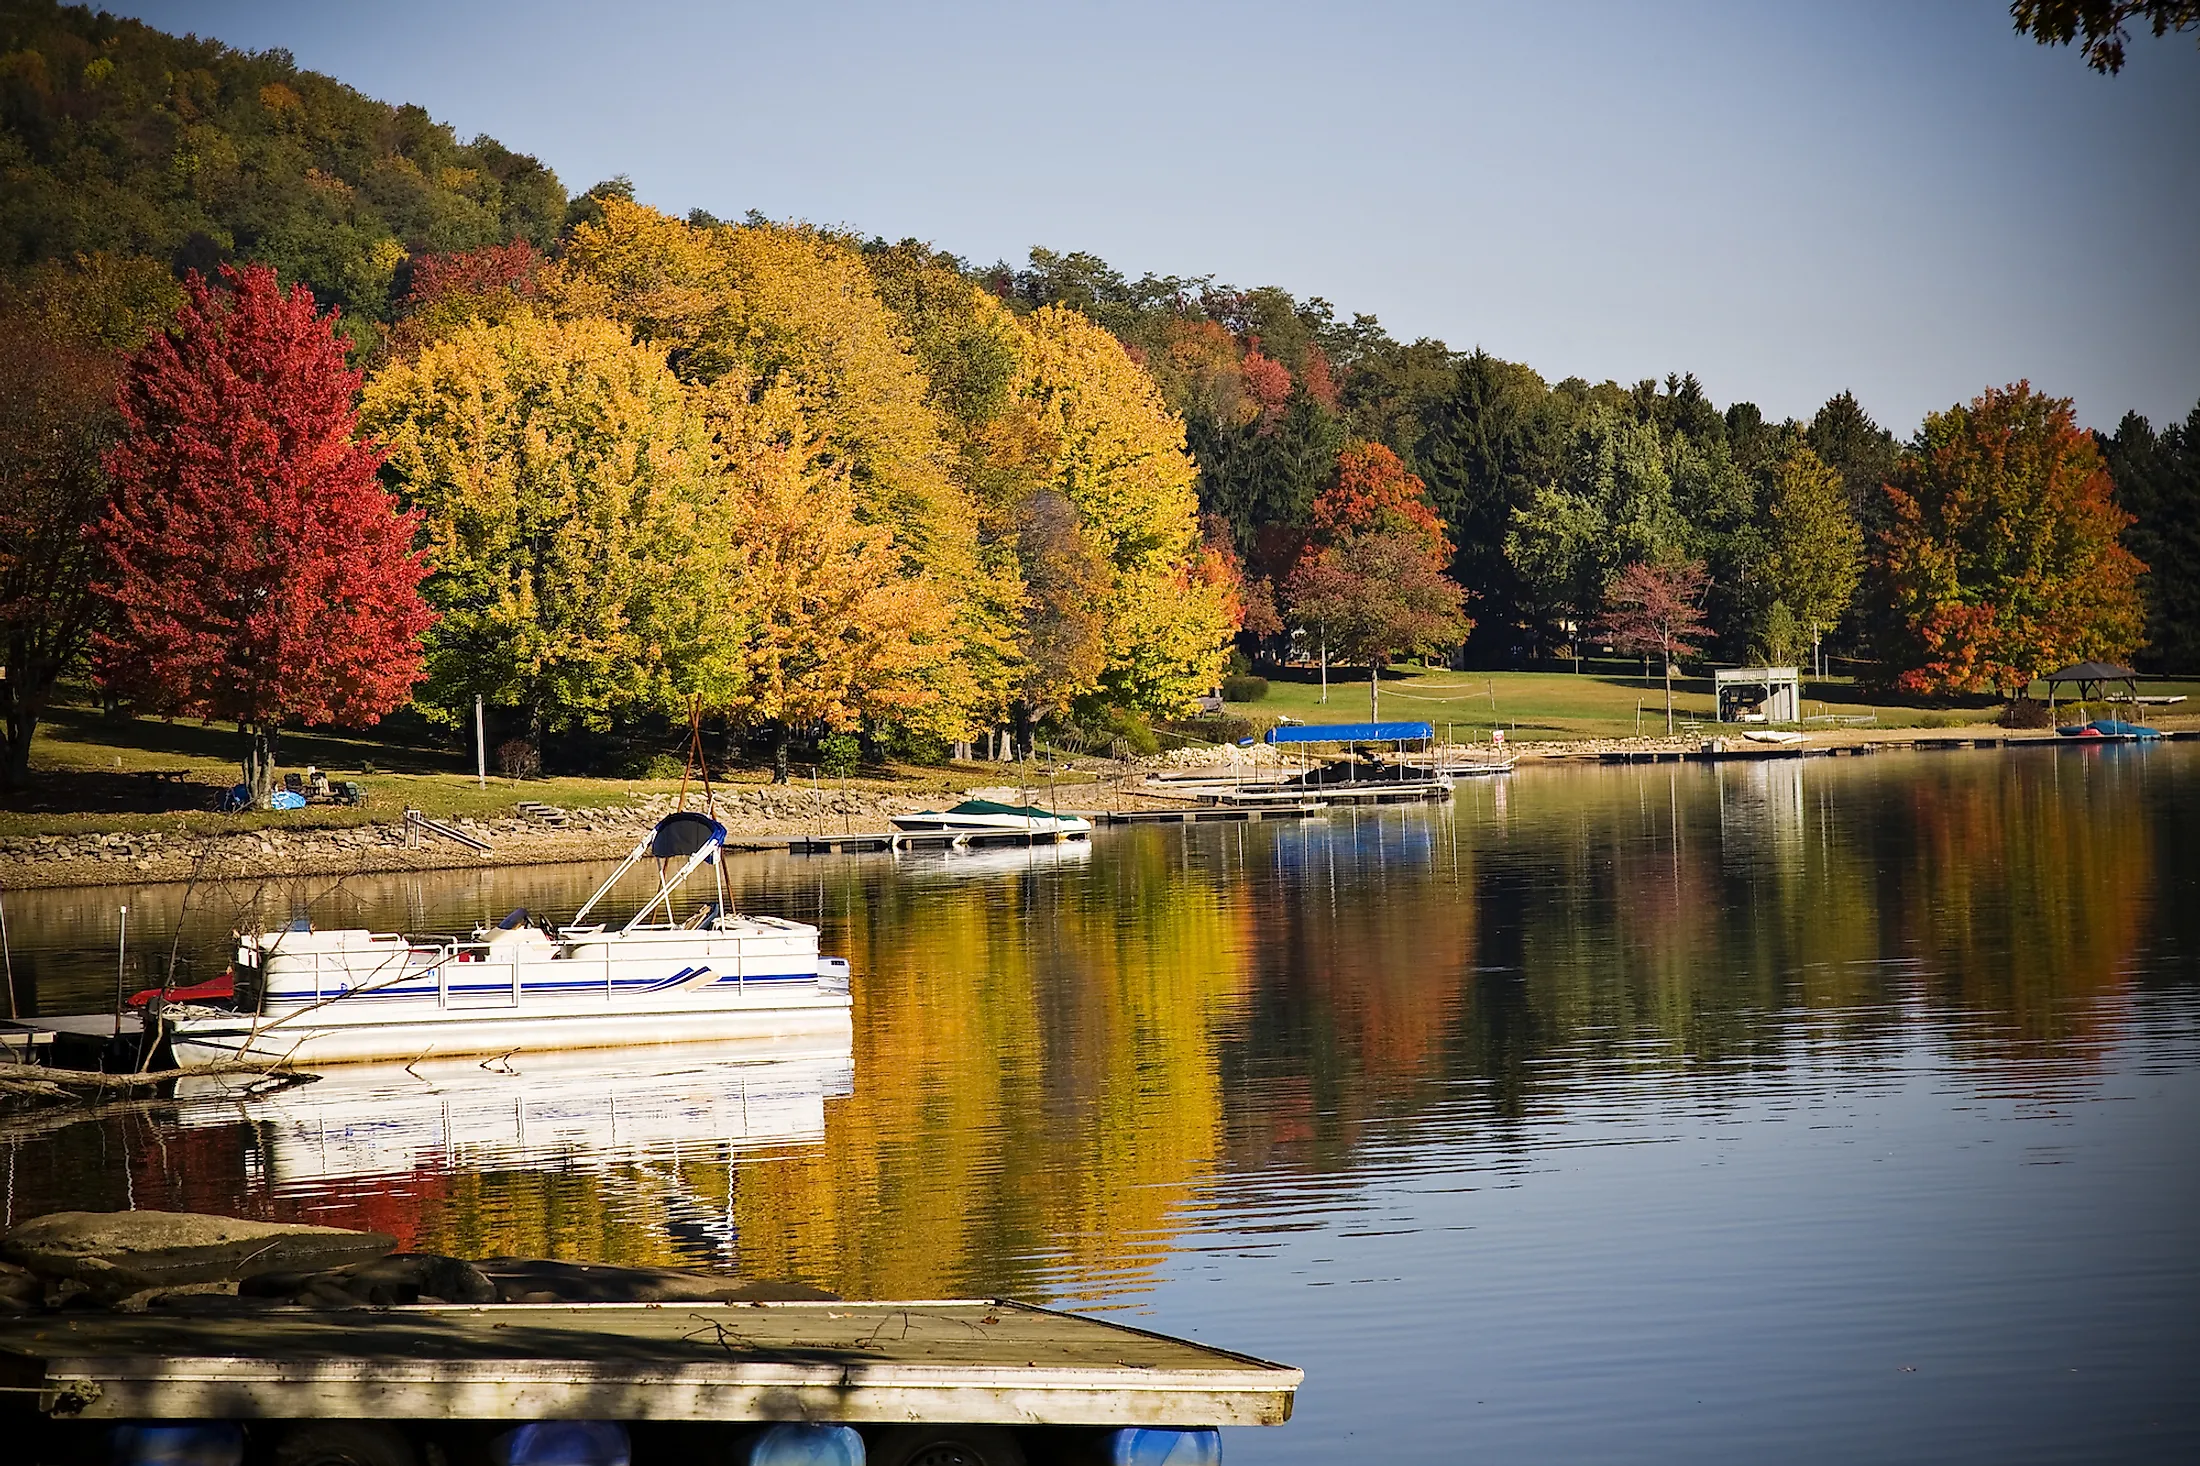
(352, 792)
(294, 784)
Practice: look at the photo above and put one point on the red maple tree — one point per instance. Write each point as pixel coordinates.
(1375, 595)
(487, 284)
(256, 568)
(1657, 608)
(1267, 382)
(1315, 376)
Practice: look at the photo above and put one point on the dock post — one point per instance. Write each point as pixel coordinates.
(122, 948)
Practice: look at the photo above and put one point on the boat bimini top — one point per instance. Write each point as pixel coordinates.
(686, 835)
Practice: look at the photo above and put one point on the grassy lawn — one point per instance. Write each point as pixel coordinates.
(90, 775)
(1602, 701)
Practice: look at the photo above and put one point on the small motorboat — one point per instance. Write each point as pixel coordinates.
(989, 817)
(306, 997)
(1774, 735)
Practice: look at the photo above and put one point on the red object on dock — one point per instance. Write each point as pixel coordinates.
(224, 986)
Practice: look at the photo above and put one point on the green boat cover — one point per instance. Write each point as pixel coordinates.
(987, 806)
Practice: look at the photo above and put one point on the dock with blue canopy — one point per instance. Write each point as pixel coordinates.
(1399, 733)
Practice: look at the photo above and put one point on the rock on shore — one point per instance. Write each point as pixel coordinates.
(193, 1263)
(115, 1254)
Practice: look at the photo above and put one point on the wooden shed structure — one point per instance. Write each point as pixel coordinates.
(2092, 679)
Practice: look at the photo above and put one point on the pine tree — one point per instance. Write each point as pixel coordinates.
(2158, 483)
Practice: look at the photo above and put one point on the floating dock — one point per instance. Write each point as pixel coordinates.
(964, 1361)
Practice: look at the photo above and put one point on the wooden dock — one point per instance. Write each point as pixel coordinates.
(74, 1040)
(966, 1361)
(1746, 752)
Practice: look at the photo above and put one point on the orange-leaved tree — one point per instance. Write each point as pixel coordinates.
(781, 335)
(1372, 490)
(256, 569)
(2002, 560)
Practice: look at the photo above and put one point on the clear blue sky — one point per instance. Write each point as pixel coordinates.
(1907, 200)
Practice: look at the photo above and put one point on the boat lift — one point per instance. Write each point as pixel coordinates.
(1398, 735)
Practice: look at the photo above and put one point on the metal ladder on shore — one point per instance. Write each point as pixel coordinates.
(418, 824)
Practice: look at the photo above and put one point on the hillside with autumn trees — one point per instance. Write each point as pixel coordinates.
(796, 484)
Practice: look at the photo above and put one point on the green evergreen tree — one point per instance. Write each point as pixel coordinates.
(1860, 450)
(2158, 482)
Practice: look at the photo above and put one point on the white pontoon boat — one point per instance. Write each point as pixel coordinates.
(307, 997)
(577, 1110)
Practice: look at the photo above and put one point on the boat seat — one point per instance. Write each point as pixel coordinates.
(705, 915)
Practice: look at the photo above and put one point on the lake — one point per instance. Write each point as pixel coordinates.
(1816, 1110)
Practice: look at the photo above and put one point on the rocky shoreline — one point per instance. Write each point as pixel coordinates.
(759, 816)
(754, 816)
(595, 833)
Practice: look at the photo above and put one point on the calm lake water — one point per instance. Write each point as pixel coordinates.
(1818, 1111)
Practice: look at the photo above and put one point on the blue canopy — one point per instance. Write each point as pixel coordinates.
(683, 832)
(1352, 733)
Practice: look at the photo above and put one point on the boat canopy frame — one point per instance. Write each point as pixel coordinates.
(686, 835)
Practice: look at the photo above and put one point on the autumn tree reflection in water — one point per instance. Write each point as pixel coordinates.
(1059, 1065)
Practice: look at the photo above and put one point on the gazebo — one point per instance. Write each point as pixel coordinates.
(2093, 679)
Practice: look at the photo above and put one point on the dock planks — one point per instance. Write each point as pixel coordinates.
(969, 1360)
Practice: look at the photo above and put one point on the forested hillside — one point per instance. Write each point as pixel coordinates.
(119, 139)
(807, 486)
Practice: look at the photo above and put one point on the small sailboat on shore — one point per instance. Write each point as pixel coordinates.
(305, 997)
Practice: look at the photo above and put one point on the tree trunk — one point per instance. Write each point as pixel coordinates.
(1375, 691)
(780, 741)
(1668, 694)
(259, 762)
(15, 759)
(1024, 721)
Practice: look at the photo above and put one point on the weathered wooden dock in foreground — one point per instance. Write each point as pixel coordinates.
(433, 1370)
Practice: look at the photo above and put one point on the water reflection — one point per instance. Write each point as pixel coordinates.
(1227, 1075)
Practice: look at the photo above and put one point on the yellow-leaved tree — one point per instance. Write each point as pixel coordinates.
(1118, 457)
(567, 499)
(781, 335)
